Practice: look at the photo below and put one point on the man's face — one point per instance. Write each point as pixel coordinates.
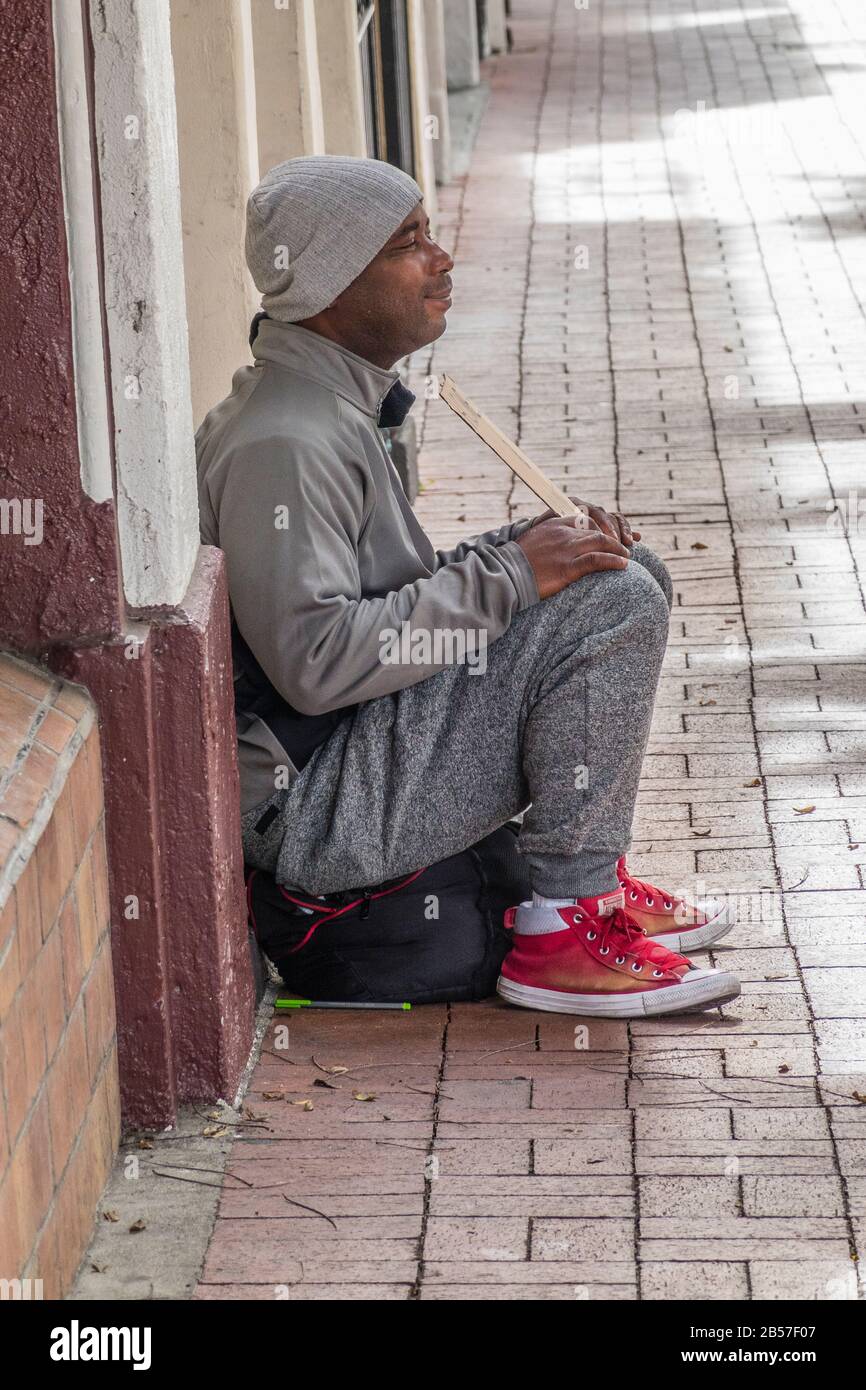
(399, 302)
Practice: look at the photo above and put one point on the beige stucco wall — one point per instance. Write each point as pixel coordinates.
(288, 90)
(461, 44)
(340, 77)
(217, 145)
(425, 166)
(437, 85)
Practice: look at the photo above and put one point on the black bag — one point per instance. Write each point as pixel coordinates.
(435, 936)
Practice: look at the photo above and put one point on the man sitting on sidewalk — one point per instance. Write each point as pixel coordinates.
(357, 767)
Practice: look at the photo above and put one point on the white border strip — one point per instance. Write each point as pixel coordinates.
(88, 351)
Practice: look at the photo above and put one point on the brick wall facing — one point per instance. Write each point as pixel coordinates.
(59, 1097)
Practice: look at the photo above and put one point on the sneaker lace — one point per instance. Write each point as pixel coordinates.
(617, 930)
(651, 893)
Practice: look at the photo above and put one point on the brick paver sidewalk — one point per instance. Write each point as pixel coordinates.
(664, 308)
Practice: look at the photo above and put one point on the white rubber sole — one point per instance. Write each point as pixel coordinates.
(699, 938)
(700, 989)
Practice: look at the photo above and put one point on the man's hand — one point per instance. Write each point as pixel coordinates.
(560, 550)
(610, 523)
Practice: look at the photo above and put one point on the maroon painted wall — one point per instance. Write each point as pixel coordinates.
(186, 999)
(47, 593)
(185, 996)
(212, 993)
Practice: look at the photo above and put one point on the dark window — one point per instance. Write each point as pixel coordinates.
(383, 41)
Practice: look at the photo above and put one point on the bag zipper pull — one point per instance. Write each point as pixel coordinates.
(365, 909)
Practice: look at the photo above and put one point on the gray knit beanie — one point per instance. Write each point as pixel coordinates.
(314, 223)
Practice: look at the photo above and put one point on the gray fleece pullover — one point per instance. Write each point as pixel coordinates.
(324, 553)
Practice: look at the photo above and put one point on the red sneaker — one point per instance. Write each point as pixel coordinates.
(679, 924)
(599, 963)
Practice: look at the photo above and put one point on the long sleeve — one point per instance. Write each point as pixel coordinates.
(291, 530)
(498, 536)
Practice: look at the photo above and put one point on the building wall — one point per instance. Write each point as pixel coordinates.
(141, 622)
(59, 1093)
(212, 52)
(289, 113)
(461, 44)
(422, 107)
(134, 137)
(497, 26)
(39, 604)
(340, 77)
(437, 86)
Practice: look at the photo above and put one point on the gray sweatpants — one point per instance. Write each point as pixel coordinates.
(558, 723)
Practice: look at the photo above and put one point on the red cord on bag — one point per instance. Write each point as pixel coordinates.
(329, 913)
(250, 913)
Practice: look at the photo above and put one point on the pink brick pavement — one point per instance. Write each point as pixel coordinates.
(663, 301)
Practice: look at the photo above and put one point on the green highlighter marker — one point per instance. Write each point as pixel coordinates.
(331, 1004)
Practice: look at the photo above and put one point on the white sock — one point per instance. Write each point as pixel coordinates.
(538, 900)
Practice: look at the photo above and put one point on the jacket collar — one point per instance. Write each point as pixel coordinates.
(343, 372)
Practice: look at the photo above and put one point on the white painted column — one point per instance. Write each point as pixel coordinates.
(437, 85)
(496, 26)
(136, 138)
(425, 123)
(461, 45)
(76, 168)
(212, 43)
(340, 77)
(288, 92)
